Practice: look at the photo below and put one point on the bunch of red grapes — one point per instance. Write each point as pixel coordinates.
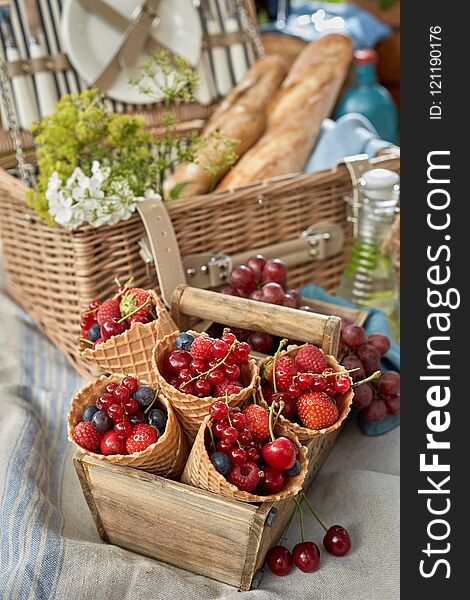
(265, 281)
(375, 399)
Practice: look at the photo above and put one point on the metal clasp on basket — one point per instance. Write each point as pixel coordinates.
(207, 270)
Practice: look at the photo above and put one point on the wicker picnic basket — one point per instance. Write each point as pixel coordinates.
(166, 457)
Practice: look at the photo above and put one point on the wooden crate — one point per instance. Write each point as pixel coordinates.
(184, 526)
(191, 528)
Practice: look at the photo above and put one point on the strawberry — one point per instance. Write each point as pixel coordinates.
(87, 436)
(108, 310)
(257, 422)
(317, 410)
(310, 359)
(132, 299)
(201, 348)
(286, 368)
(141, 437)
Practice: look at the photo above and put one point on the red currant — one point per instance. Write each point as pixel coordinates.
(198, 366)
(230, 435)
(202, 387)
(123, 428)
(244, 436)
(184, 375)
(228, 338)
(294, 390)
(212, 362)
(224, 446)
(131, 383)
(218, 410)
(216, 376)
(116, 412)
(237, 455)
(279, 560)
(232, 372)
(220, 348)
(242, 352)
(131, 406)
(94, 305)
(239, 421)
(121, 393)
(342, 383)
(110, 387)
(254, 453)
(218, 428)
(319, 384)
(231, 359)
(305, 381)
(106, 400)
(186, 388)
(88, 319)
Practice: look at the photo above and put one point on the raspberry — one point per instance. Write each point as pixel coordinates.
(141, 437)
(286, 368)
(202, 347)
(257, 422)
(245, 477)
(107, 311)
(317, 410)
(87, 436)
(227, 387)
(310, 359)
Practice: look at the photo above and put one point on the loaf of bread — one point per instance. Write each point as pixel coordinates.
(241, 116)
(306, 97)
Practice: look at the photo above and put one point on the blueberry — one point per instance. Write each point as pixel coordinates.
(144, 395)
(88, 413)
(94, 333)
(294, 470)
(137, 417)
(221, 462)
(184, 341)
(158, 419)
(101, 421)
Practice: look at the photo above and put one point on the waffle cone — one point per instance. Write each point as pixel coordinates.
(166, 457)
(200, 472)
(192, 410)
(343, 402)
(131, 351)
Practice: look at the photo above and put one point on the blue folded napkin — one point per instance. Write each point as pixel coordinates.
(376, 322)
(364, 29)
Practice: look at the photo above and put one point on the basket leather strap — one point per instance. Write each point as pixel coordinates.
(163, 246)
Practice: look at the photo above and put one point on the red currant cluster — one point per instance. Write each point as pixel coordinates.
(375, 399)
(102, 320)
(306, 555)
(240, 451)
(122, 421)
(305, 385)
(265, 281)
(204, 366)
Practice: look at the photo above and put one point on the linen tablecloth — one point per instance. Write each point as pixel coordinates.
(51, 550)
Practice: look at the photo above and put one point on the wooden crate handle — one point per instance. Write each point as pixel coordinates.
(315, 328)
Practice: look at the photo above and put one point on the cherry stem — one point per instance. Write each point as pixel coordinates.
(216, 366)
(281, 408)
(228, 409)
(374, 375)
(282, 343)
(136, 309)
(209, 427)
(157, 391)
(86, 341)
(271, 413)
(298, 502)
(304, 497)
(284, 533)
(126, 286)
(253, 395)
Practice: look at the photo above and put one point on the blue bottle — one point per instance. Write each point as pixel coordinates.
(369, 98)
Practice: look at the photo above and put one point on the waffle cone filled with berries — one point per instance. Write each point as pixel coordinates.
(131, 351)
(328, 408)
(200, 472)
(191, 409)
(166, 457)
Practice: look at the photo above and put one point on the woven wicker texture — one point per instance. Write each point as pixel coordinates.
(192, 410)
(131, 351)
(54, 273)
(201, 473)
(166, 457)
(343, 402)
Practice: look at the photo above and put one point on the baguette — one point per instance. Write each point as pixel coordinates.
(241, 116)
(306, 97)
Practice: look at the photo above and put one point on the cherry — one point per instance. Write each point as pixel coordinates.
(112, 327)
(138, 417)
(280, 453)
(279, 560)
(232, 372)
(294, 390)
(144, 319)
(121, 393)
(112, 443)
(306, 556)
(230, 435)
(219, 410)
(88, 319)
(131, 383)
(290, 404)
(177, 360)
(275, 270)
(337, 541)
(239, 421)
(256, 264)
(237, 455)
(123, 428)
(274, 480)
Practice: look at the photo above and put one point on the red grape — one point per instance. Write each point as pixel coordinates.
(352, 362)
(393, 405)
(243, 278)
(256, 264)
(289, 302)
(229, 291)
(275, 270)
(389, 383)
(273, 293)
(260, 341)
(369, 357)
(380, 341)
(257, 295)
(295, 296)
(307, 309)
(375, 412)
(363, 395)
(354, 336)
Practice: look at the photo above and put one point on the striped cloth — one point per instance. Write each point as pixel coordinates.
(51, 550)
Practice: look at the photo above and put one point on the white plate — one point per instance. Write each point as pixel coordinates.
(91, 42)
